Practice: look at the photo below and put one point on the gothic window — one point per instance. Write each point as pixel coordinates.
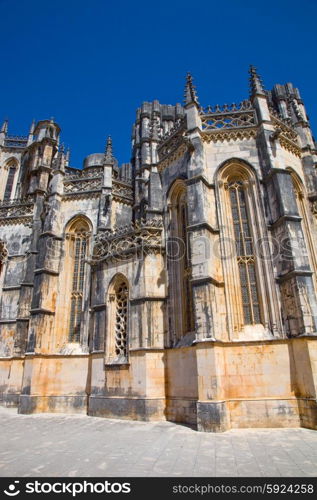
(77, 237)
(117, 346)
(245, 253)
(121, 321)
(3, 255)
(300, 195)
(251, 293)
(181, 303)
(9, 184)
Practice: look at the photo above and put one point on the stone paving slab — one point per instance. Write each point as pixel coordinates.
(56, 445)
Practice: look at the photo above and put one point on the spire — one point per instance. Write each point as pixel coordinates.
(67, 157)
(256, 84)
(108, 151)
(4, 128)
(32, 127)
(31, 132)
(190, 96)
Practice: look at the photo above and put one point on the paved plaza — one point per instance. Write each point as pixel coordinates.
(76, 446)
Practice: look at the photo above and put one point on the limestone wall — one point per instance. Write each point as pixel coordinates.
(181, 385)
(11, 372)
(258, 384)
(135, 390)
(55, 384)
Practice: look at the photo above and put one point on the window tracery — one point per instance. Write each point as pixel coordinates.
(77, 237)
(251, 294)
(10, 180)
(117, 335)
(181, 301)
(245, 253)
(121, 322)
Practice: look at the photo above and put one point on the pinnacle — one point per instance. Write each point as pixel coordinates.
(190, 91)
(108, 151)
(32, 127)
(4, 127)
(256, 83)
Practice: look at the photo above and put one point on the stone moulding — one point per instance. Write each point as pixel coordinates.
(122, 192)
(82, 185)
(125, 241)
(172, 145)
(81, 195)
(141, 300)
(178, 127)
(123, 200)
(16, 220)
(290, 146)
(15, 141)
(203, 225)
(83, 175)
(173, 156)
(287, 136)
(16, 211)
(203, 280)
(229, 134)
(229, 120)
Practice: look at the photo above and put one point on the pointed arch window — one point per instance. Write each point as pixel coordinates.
(245, 253)
(78, 242)
(251, 293)
(117, 346)
(181, 301)
(121, 321)
(301, 196)
(10, 181)
(3, 255)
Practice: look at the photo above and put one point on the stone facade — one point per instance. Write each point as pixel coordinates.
(181, 286)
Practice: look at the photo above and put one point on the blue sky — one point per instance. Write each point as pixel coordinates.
(91, 64)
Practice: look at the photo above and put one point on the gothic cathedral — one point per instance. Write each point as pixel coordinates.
(180, 286)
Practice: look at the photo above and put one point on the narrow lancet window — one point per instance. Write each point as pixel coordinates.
(245, 254)
(185, 270)
(117, 336)
(181, 300)
(9, 184)
(121, 321)
(79, 250)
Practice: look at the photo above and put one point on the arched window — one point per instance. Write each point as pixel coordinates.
(250, 287)
(301, 197)
(180, 290)
(3, 255)
(10, 180)
(245, 253)
(117, 345)
(77, 236)
(121, 321)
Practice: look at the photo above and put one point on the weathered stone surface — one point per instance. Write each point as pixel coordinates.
(181, 286)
